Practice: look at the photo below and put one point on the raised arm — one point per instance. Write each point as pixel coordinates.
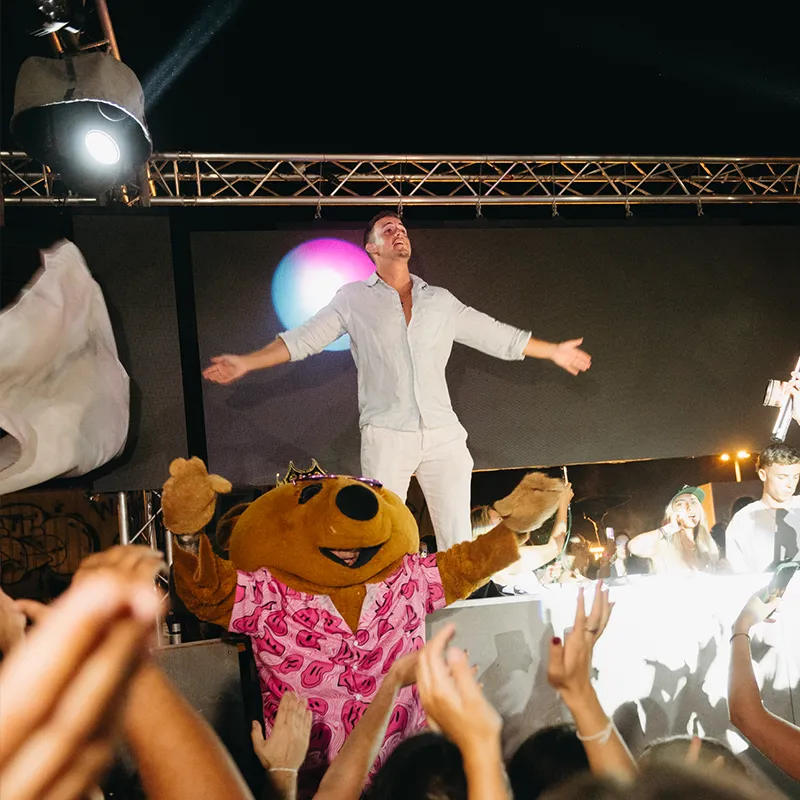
(228, 368)
(543, 554)
(453, 700)
(569, 674)
(348, 772)
(206, 583)
(482, 332)
(776, 738)
(177, 753)
(644, 544)
(466, 566)
(325, 327)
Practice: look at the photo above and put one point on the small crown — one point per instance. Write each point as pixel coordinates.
(295, 474)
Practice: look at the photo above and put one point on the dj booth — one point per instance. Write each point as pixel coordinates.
(661, 666)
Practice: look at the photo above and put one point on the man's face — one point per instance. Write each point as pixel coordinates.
(780, 481)
(390, 240)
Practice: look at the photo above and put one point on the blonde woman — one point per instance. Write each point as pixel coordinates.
(683, 542)
(484, 518)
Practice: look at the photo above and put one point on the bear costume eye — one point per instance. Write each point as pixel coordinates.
(308, 492)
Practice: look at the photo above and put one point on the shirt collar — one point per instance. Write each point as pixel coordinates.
(415, 279)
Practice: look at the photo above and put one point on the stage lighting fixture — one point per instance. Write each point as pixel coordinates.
(82, 116)
(59, 15)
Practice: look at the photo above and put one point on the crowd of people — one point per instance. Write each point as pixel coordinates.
(760, 534)
(77, 678)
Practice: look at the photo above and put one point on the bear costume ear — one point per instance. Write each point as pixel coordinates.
(227, 522)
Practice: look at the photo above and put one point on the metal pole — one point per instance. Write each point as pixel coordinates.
(173, 625)
(108, 28)
(123, 518)
(147, 500)
(150, 535)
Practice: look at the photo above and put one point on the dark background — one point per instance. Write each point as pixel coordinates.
(685, 325)
(241, 76)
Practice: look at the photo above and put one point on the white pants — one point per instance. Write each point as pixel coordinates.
(443, 466)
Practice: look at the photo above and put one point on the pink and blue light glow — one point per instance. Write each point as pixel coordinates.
(309, 276)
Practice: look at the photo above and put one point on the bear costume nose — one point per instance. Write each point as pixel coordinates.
(357, 502)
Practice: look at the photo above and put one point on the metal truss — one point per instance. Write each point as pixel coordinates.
(222, 179)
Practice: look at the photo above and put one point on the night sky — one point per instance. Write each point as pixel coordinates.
(287, 78)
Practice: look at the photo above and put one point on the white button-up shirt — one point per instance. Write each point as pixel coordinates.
(401, 368)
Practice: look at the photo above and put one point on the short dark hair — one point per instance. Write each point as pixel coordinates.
(778, 454)
(545, 759)
(387, 212)
(422, 766)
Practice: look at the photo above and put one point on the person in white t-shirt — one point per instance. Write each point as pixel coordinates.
(767, 532)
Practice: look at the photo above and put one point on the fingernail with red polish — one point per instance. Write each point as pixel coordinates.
(556, 640)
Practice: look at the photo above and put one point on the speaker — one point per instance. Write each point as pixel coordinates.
(131, 258)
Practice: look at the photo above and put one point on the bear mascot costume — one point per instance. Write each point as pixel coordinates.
(326, 579)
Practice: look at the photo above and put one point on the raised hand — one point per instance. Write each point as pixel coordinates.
(64, 691)
(570, 664)
(404, 669)
(287, 745)
(190, 495)
(755, 611)
(452, 697)
(566, 496)
(226, 369)
(570, 357)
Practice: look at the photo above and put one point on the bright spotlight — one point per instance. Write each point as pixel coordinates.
(82, 116)
(102, 147)
(724, 457)
(743, 454)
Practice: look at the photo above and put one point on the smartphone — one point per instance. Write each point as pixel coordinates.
(780, 580)
(610, 534)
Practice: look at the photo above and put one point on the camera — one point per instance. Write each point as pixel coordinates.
(773, 397)
(777, 395)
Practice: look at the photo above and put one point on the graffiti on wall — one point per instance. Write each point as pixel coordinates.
(52, 531)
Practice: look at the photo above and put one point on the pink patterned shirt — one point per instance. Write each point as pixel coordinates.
(302, 644)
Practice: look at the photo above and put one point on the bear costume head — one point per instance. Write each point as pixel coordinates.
(325, 531)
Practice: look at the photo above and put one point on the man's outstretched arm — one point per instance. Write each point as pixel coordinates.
(566, 355)
(325, 327)
(476, 329)
(229, 368)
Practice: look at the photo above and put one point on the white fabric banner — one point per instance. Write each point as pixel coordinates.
(64, 395)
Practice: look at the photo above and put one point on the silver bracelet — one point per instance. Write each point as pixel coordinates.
(282, 769)
(601, 736)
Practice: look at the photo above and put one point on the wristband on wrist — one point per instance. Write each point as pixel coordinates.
(601, 736)
(282, 769)
(739, 634)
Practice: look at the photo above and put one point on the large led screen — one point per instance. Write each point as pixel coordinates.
(684, 324)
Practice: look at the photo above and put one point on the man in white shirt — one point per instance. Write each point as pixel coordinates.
(401, 333)
(767, 532)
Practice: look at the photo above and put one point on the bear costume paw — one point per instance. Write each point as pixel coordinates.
(533, 501)
(190, 495)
